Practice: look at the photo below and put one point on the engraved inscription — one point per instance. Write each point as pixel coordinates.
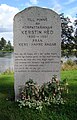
(35, 62)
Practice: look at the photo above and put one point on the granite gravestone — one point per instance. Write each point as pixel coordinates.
(37, 46)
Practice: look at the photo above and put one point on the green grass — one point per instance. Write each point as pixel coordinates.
(9, 109)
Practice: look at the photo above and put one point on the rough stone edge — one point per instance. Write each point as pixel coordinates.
(28, 8)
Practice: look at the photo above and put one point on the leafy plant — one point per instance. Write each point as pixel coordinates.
(29, 91)
(69, 65)
(35, 96)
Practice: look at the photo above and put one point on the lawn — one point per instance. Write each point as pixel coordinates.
(9, 109)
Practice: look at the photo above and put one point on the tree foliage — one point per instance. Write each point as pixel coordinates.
(5, 46)
(75, 36)
(2, 43)
(68, 40)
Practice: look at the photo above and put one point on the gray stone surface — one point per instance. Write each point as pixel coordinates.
(37, 46)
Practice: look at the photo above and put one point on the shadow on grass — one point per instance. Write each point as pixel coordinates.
(4, 117)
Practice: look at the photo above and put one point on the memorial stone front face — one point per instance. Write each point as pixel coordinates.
(37, 46)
